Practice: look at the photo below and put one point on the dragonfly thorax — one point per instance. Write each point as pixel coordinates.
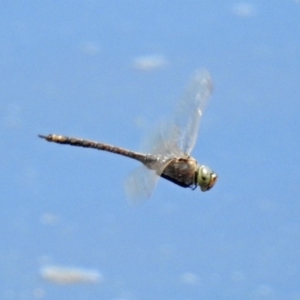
(206, 178)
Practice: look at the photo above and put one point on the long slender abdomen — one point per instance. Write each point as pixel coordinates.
(60, 139)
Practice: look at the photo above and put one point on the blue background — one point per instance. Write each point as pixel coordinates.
(67, 67)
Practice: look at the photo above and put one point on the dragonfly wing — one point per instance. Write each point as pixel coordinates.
(190, 109)
(141, 183)
(161, 145)
(163, 140)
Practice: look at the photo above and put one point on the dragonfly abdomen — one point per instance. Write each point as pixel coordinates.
(60, 139)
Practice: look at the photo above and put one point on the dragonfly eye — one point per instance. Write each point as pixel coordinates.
(206, 178)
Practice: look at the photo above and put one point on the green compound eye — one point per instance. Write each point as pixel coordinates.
(206, 178)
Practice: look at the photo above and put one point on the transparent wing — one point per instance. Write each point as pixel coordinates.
(162, 146)
(190, 109)
(178, 136)
(140, 184)
(163, 140)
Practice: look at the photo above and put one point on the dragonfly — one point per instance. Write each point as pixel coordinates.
(170, 146)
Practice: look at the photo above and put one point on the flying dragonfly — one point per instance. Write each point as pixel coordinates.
(171, 144)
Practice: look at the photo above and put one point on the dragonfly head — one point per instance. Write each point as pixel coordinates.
(206, 178)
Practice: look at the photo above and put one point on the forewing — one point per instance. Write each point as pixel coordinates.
(190, 109)
(163, 140)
